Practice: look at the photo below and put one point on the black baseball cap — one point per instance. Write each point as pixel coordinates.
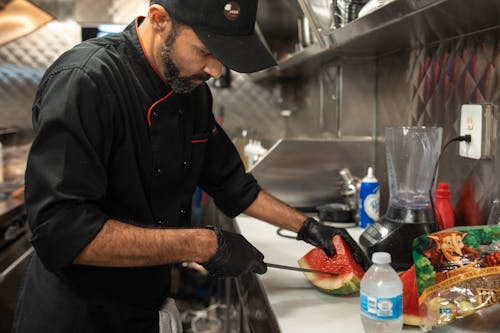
(226, 28)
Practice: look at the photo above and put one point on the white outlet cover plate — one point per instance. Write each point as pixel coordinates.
(471, 122)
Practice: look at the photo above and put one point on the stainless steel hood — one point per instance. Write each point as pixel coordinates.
(19, 18)
(304, 173)
(93, 12)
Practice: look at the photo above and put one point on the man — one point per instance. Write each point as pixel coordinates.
(124, 132)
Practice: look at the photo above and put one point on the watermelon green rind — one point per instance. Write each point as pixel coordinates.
(343, 284)
(349, 271)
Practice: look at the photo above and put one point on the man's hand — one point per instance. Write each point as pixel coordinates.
(321, 235)
(234, 256)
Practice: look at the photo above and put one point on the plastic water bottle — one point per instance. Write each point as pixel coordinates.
(381, 297)
(369, 200)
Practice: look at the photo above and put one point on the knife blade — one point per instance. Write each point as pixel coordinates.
(298, 269)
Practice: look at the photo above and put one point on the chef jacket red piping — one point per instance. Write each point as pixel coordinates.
(199, 141)
(154, 69)
(156, 103)
(145, 52)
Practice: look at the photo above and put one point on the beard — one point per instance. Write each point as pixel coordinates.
(180, 84)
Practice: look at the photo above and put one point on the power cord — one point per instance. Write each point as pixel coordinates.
(466, 138)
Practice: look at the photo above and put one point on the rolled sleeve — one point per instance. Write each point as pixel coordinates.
(65, 175)
(224, 176)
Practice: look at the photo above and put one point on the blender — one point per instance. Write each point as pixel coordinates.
(411, 153)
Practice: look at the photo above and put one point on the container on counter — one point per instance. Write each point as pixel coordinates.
(254, 151)
(445, 217)
(381, 297)
(349, 190)
(369, 200)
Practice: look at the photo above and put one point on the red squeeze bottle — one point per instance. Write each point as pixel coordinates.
(442, 205)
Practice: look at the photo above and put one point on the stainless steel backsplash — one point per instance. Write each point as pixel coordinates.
(360, 97)
(426, 87)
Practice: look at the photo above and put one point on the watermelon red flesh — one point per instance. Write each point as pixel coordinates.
(411, 314)
(343, 263)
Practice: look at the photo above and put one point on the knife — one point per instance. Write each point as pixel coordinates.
(298, 269)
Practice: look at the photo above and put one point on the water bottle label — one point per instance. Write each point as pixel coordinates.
(381, 308)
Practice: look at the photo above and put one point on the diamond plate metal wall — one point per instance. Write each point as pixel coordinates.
(22, 64)
(421, 87)
(318, 109)
(23, 61)
(250, 107)
(426, 87)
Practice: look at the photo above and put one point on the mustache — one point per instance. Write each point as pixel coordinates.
(198, 77)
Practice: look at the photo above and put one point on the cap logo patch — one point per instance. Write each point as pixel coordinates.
(232, 10)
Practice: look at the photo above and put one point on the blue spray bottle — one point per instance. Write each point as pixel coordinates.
(369, 200)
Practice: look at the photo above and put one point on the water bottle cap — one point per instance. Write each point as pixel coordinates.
(381, 258)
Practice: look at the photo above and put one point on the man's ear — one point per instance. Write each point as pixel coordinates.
(160, 19)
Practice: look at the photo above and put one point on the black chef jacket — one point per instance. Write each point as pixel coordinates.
(112, 140)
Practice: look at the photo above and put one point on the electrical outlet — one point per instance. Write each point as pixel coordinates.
(477, 120)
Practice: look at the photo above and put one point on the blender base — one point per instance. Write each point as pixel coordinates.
(396, 238)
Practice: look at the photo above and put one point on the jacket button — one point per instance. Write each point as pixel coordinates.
(181, 112)
(186, 163)
(160, 222)
(157, 172)
(183, 211)
(156, 114)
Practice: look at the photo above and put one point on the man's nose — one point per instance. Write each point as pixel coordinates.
(213, 67)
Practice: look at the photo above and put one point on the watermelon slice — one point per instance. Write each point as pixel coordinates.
(343, 263)
(411, 314)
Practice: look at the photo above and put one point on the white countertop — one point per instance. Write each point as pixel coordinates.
(297, 305)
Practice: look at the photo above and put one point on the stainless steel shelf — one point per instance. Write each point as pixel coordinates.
(292, 66)
(402, 24)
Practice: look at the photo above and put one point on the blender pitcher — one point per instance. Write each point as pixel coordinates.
(412, 153)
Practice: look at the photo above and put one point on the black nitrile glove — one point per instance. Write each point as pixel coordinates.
(321, 235)
(234, 256)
